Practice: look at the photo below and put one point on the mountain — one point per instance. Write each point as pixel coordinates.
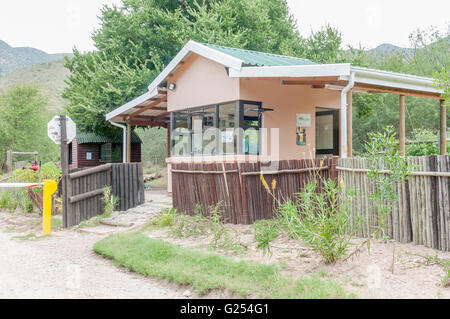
(388, 49)
(16, 58)
(48, 76)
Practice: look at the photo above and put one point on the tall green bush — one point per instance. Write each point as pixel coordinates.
(321, 219)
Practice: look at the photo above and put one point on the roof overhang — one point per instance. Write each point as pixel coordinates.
(127, 112)
(292, 71)
(338, 75)
(151, 107)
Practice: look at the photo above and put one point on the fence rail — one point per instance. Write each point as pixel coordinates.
(422, 213)
(84, 190)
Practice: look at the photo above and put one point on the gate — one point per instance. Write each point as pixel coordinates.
(83, 195)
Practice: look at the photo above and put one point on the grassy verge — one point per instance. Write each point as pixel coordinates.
(206, 271)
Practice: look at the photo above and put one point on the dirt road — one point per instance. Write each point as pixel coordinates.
(63, 265)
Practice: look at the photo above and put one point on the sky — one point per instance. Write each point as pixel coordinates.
(57, 26)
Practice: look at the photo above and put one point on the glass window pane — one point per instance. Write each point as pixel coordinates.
(116, 155)
(251, 129)
(227, 121)
(180, 134)
(209, 130)
(324, 132)
(197, 134)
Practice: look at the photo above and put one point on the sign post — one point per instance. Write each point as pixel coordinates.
(62, 130)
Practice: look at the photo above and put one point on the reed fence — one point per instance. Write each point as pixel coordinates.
(238, 186)
(422, 213)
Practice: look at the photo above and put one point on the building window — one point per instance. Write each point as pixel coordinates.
(110, 153)
(230, 128)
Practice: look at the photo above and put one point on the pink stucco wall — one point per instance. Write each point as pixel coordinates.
(200, 81)
(287, 101)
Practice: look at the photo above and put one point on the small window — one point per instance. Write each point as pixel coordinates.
(105, 152)
(110, 153)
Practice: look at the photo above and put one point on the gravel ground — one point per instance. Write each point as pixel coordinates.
(64, 265)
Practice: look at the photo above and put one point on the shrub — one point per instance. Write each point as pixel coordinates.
(265, 232)
(166, 217)
(209, 223)
(7, 201)
(383, 154)
(24, 202)
(321, 219)
(422, 149)
(110, 201)
(191, 226)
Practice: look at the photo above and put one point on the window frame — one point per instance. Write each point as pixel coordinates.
(239, 123)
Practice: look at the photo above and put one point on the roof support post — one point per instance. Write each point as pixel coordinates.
(443, 129)
(128, 142)
(169, 142)
(401, 125)
(344, 145)
(349, 123)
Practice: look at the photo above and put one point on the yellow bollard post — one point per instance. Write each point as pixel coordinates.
(49, 188)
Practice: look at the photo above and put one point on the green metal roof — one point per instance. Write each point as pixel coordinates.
(91, 138)
(255, 58)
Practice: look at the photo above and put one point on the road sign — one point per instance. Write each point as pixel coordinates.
(54, 129)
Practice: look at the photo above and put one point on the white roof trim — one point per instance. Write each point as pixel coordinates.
(190, 47)
(341, 69)
(393, 79)
(202, 50)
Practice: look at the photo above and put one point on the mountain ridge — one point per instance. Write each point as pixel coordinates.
(14, 58)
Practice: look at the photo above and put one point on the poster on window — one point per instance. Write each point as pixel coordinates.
(303, 120)
(228, 136)
(301, 136)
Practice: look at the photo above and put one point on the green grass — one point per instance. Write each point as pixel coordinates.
(207, 271)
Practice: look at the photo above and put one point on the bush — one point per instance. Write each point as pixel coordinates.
(208, 223)
(265, 232)
(191, 226)
(24, 202)
(422, 149)
(166, 217)
(7, 201)
(321, 219)
(109, 200)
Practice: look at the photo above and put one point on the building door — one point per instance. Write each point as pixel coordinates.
(327, 133)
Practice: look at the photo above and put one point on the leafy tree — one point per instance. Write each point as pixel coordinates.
(430, 56)
(23, 123)
(99, 84)
(139, 37)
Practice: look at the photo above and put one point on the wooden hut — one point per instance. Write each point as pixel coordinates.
(89, 149)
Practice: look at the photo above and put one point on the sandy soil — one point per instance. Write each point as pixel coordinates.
(63, 265)
(366, 275)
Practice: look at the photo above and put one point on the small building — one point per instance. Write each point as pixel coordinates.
(227, 104)
(89, 149)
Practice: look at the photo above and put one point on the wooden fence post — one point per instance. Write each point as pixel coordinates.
(333, 171)
(64, 171)
(401, 125)
(443, 129)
